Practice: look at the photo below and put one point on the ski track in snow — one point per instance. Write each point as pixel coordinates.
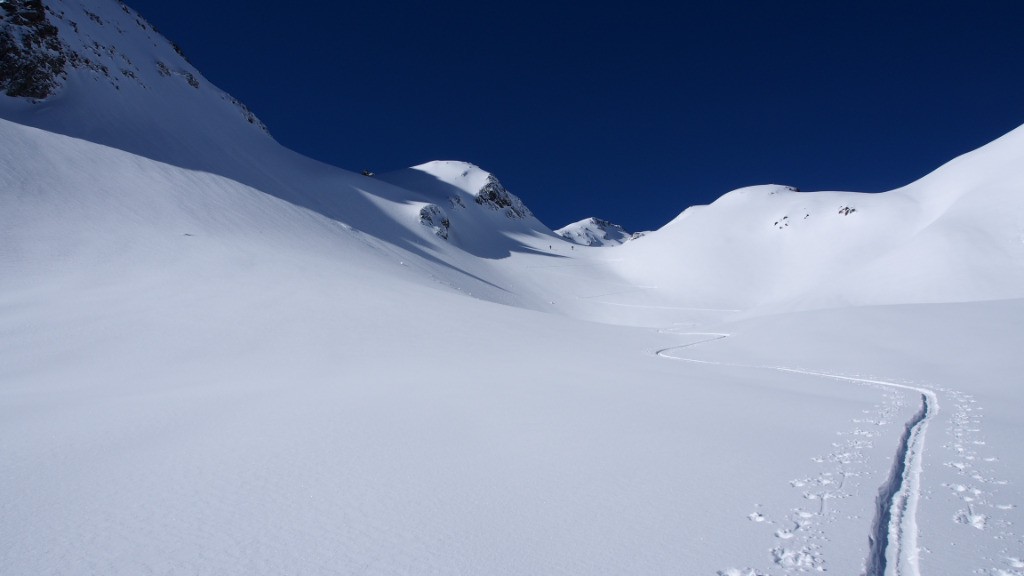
(894, 547)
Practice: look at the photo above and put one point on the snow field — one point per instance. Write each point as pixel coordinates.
(217, 356)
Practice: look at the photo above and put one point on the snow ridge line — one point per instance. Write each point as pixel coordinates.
(899, 555)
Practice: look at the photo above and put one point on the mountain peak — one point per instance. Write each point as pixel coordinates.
(594, 232)
(455, 182)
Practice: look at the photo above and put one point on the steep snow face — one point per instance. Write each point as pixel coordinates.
(100, 72)
(123, 85)
(594, 232)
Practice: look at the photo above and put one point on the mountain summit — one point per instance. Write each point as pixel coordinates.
(594, 232)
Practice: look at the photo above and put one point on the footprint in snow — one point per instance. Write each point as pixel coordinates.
(803, 559)
(969, 518)
(740, 572)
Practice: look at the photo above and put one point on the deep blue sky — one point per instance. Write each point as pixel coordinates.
(627, 111)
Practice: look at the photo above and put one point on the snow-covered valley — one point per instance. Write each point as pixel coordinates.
(220, 357)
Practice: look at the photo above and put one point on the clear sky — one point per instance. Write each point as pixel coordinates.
(627, 111)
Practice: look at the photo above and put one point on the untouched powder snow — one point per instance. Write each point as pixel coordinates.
(220, 357)
(954, 235)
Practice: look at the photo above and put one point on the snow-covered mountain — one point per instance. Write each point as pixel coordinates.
(218, 356)
(123, 85)
(594, 232)
(97, 70)
(465, 204)
(951, 236)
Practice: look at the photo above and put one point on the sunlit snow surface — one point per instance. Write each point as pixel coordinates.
(201, 377)
(219, 357)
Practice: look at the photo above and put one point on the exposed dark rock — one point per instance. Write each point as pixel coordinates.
(32, 57)
(496, 197)
(94, 17)
(433, 216)
(180, 52)
(250, 117)
(35, 60)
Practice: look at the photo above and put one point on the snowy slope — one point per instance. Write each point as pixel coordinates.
(594, 232)
(468, 206)
(200, 377)
(758, 247)
(183, 120)
(122, 84)
(217, 356)
(127, 87)
(960, 509)
(954, 235)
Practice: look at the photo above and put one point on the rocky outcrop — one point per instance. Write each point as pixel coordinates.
(493, 195)
(435, 218)
(32, 56)
(44, 42)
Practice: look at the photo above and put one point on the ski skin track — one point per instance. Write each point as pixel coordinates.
(901, 556)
